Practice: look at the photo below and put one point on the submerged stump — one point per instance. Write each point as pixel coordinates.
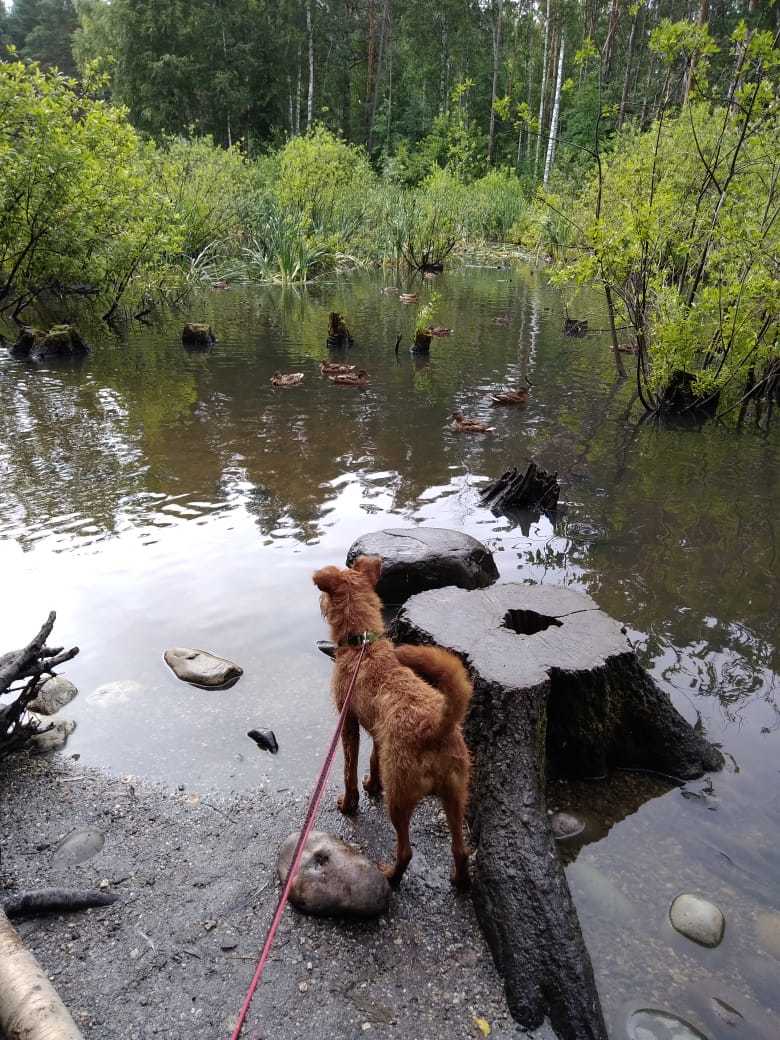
(339, 336)
(558, 692)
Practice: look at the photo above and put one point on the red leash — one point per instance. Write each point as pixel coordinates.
(295, 866)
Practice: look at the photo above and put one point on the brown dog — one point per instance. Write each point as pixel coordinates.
(416, 724)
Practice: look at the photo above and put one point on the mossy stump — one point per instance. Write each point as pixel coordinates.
(558, 692)
(339, 336)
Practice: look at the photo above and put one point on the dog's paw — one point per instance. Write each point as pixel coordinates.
(460, 877)
(348, 804)
(390, 872)
(373, 788)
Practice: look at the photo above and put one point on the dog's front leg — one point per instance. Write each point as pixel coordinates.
(350, 742)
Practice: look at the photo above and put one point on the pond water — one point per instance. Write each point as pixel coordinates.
(157, 498)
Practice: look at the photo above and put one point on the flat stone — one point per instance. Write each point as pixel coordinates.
(80, 845)
(335, 879)
(53, 695)
(768, 932)
(697, 919)
(415, 559)
(653, 1024)
(53, 739)
(111, 694)
(202, 668)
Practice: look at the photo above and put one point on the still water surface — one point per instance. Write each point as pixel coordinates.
(157, 498)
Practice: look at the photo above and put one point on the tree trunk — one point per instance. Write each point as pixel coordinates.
(310, 102)
(702, 19)
(298, 97)
(609, 42)
(558, 693)
(29, 1006)
(627, 74)
(543, 90)
(555, 114)
(494, 90)
(383, 28)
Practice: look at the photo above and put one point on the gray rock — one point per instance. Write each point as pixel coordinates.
(53, 739)
(418, 558)
(768, 932)
(564, 825)
(599, 893)
(202, 668)
(652, 1024)
(697, 919)
(335, 880)
(80, 845)
(53, 695)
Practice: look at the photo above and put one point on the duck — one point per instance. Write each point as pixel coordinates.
(359, 378)
(502, 319)
(463, 425)
(333, 368)
(390, 290)
(286, 378)
(510, 397)
(438, 330)
(407, 297)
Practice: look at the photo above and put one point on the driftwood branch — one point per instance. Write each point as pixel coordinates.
(27, 665)
(534, 489)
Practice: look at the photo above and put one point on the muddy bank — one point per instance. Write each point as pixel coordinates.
(195, 874)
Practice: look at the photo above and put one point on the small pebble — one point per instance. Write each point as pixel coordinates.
(303, 987)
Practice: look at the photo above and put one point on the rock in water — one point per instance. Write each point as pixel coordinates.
(335, 880)
(650, 1024)
(53, 695)
(53, 739)
(564, 825)
(61, 341)
(418, 558)
(697, 919)
(202, 668)
(768, 932)
(266, 741)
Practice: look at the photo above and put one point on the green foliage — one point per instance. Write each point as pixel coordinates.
(79, 199)
(687, 237)
(427, 313)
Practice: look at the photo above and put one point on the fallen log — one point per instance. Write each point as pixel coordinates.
(30, 1008)
(534, 489)
(557, 693)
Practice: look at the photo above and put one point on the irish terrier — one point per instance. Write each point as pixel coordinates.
(416, 724)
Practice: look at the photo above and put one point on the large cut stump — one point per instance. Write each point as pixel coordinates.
(556, 689)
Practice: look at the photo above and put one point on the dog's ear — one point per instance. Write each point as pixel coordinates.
(327, 578)
(370, 566)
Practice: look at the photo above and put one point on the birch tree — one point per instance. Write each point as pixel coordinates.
(543, 88)
(555, 115)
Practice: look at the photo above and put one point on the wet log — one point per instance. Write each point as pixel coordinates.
(28, 667)
(30, 1008)
(197, 336)
(339, 336)
(557, 692)
(534, 489)
(54, 901)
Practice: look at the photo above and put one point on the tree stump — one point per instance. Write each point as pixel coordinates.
(197, 336)
(534, 489)
(339, 336)
(422, 342)
(558, 691)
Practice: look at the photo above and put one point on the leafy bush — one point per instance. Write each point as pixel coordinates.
(81, 209)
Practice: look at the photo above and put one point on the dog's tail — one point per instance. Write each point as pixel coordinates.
(445, 671)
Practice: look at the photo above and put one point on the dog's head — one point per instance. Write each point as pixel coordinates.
(349, 601)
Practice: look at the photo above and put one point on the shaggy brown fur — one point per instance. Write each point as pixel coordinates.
(416, 724)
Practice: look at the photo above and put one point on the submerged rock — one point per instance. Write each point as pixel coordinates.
(109, 695)
(52, 739)
(202, 668)
(652, 1024)
(53, 695)
(335, 880)
(80, 845)
(61, 341)
(768, 932)
(415, 559)
(564, 825)
(697, 919)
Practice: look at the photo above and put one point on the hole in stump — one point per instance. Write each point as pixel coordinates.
(528, 622)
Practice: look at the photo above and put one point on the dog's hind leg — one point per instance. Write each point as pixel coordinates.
(372, 783)
(400, 815)
(350, 743)
(454, 802)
